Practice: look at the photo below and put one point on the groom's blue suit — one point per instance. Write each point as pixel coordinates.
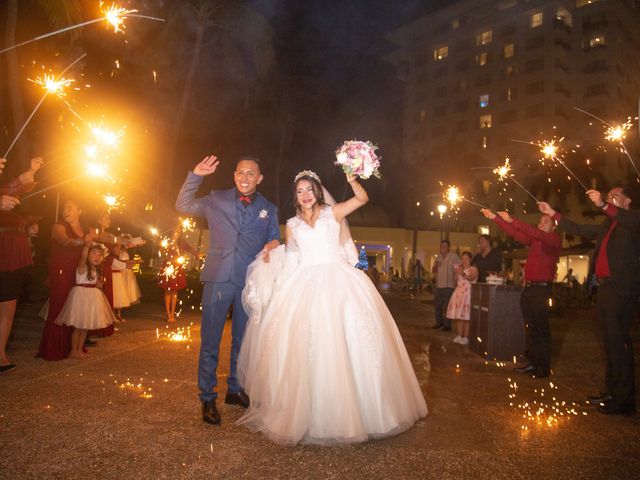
(237, 233)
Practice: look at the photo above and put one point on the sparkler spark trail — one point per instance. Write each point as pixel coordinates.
(92, 170)
(53, 87)
(453, 197)
(113, 201)
(549, 150)
(616, 133)
(113, 15)
(504, 171)
(187, 224)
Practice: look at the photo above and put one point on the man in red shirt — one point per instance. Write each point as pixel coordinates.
(616, 266)
(539, 272)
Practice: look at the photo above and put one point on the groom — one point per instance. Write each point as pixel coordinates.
(242, 224)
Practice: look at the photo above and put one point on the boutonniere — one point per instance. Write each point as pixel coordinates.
(263, 214)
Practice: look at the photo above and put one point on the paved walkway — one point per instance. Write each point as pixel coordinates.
(131, 411)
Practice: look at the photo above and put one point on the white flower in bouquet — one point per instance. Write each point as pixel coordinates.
(358, 158)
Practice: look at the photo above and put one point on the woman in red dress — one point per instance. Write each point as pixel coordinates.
(67, 242)
(172, 277)
(15, 253)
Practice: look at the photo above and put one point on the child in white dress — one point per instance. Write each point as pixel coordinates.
(119, 281)
(86, 307)
(130, 280)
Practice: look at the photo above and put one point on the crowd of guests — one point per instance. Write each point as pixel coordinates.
(614, 269)
(90, 275)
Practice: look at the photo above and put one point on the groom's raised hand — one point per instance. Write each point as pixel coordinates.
(206, 166)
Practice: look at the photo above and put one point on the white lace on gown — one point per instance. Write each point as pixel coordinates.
(322, 359)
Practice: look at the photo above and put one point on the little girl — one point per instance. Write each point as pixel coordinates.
(86, 307)
(120, 289)
(460, 304)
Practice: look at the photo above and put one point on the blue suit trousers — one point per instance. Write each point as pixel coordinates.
(217, 297)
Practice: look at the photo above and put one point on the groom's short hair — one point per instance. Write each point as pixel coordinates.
(251, 158)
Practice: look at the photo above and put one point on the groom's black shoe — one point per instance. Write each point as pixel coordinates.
(239, 398)
(210, 413)
(528, 368)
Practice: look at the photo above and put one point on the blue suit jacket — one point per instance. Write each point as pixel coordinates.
(234, 239)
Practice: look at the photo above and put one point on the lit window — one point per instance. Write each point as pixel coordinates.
(455, 23)
(582, 3)
(508, 50)
(535, 20)
(481, 58)
(484, 37)
(484, 100)
(509, 95)
(597, 41)
(441, 53)
(485, 121)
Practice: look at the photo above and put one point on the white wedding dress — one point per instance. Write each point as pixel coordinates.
(322, 359)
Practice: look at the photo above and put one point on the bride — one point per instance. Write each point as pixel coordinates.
(322, 359)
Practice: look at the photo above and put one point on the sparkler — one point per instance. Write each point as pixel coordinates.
(549, 150)
(504, 171)
(93, 170)
(453, 197)
(616, 133)
(50, 85)
(113, 201)
(113, 15)
(187, 224)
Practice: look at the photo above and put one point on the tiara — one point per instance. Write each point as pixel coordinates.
(307, 173)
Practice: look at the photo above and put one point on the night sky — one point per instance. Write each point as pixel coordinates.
(287, 81)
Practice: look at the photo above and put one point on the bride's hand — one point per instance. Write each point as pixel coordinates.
(350, 178)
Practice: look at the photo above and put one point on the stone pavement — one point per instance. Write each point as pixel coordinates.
(131, 411)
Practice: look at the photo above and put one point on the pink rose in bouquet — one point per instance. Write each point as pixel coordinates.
(358, 158)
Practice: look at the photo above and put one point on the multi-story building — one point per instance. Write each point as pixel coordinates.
(479, 74)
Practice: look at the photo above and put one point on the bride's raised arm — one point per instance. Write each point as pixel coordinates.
(360, 198)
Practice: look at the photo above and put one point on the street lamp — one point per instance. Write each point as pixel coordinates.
(442, 209)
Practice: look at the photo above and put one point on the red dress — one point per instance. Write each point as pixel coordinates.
(15, 253)
(63, 261)
(178, 279)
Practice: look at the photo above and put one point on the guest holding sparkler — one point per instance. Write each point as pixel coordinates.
(86, 307)
(616, 266)
(539, 272)
(68, 238)
(15, 253)
(172, 277)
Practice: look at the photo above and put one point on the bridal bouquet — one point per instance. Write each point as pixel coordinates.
(358, 158)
